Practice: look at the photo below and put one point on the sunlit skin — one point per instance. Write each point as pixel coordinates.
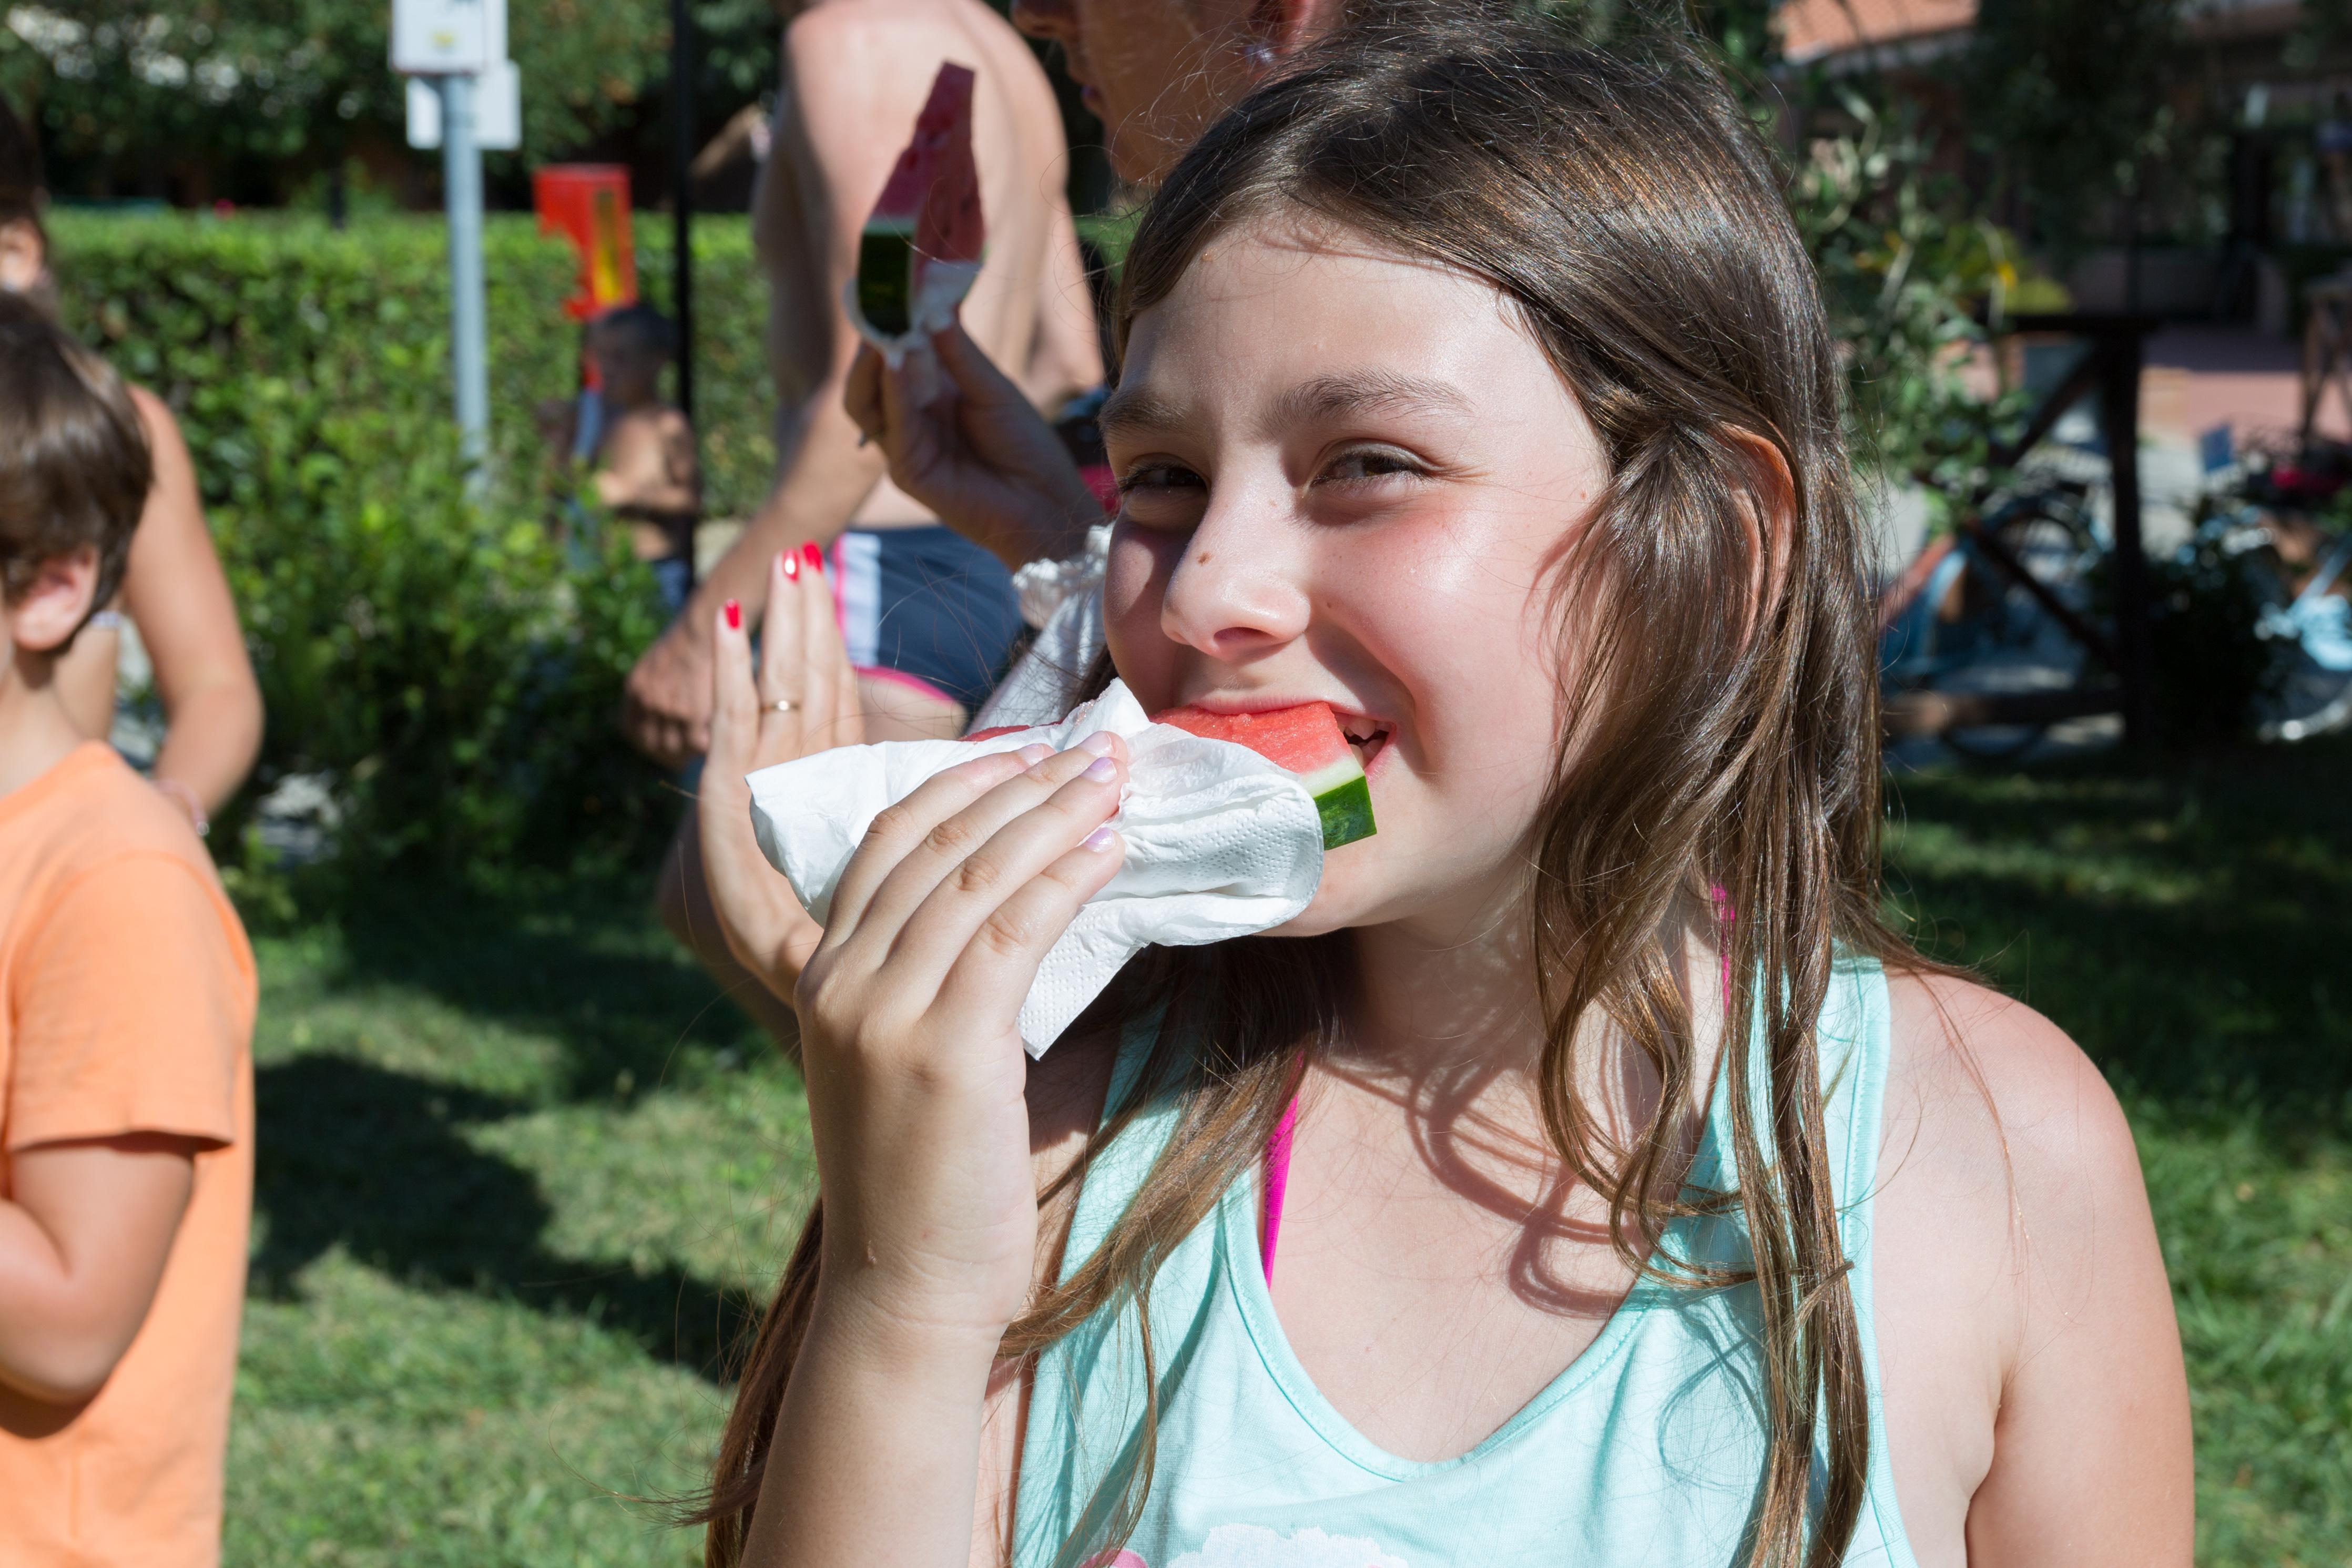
(1348, 475)
(1156, 72)
(1344, 477)
(1351, 476)
(86, 1225)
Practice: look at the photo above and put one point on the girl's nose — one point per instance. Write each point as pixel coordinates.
(1234, 590)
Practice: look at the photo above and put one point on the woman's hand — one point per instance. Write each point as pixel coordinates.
(804, 699)
(977, 454)
(916, 1073)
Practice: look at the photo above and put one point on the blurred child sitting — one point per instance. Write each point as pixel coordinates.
(642, 448)
(126, 1011)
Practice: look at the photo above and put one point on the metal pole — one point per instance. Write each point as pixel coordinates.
(2118, 347)
(681, 201)
(461, 177)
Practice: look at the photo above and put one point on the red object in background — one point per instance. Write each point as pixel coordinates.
(588, 203)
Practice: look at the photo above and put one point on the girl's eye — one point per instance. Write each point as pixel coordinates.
(1150, 479)
(1369, 463)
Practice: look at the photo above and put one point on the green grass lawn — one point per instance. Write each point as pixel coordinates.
(520, 1171)
(2190, 924)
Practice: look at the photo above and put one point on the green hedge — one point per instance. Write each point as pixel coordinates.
(734, 401)
(451, 668)
(359, 317)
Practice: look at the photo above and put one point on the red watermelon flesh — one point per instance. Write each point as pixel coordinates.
(934, 188)
(928, 216)
(1306, 740)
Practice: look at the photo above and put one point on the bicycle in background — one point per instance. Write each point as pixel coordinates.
(2000, 623)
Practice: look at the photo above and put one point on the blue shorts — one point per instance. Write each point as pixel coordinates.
(926, 608)
(674, 576)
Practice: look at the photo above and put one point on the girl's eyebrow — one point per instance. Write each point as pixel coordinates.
(1133, 412)
(1364, 392)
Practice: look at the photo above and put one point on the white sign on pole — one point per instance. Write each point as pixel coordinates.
(498, 110)
(446, 37)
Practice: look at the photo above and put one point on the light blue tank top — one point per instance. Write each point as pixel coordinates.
(1644, 1453)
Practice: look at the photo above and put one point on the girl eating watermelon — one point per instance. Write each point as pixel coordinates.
(1588, 1176)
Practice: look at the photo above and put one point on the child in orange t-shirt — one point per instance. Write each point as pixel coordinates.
(126, 1011)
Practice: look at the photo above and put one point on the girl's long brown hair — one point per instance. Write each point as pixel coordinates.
(1723, 702)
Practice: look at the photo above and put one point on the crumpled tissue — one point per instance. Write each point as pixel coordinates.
(1219, 842)
(1063, 600)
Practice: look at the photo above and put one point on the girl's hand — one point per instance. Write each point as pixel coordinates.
(977, 454)
(804, 699)
(916, 1073)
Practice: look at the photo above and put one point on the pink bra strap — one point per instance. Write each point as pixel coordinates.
(1278, 1179)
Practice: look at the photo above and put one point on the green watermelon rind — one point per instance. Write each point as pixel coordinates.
(885, 276)
(1345, 811)
(1342, 798)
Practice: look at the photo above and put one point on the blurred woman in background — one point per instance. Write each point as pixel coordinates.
(173, 591)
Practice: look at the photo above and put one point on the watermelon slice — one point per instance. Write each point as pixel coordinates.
(1306, 740)
(922, 243)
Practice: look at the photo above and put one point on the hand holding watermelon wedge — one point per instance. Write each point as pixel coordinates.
(921, 251)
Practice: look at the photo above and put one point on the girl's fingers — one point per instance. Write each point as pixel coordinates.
(784, 732)
(899, 829)
(967, 908)
(969, 369)
(861, 398)
(848, 702)
(734, 705)
(820, 652)
(991, 976)
(951, 853)
(893, 403)
(780, 633)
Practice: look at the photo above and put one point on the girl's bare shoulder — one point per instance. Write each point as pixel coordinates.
(1985, 1074)
(2004, 1142)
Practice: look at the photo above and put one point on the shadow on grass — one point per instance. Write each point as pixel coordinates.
(583, 962)
(2189, 920)
(373, 1159)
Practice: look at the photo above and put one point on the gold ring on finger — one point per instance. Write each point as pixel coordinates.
(783, 705)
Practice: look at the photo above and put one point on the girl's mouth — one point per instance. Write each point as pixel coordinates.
(1368, 738)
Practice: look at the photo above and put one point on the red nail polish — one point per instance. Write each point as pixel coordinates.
(815, 556)
(791, 565)
(734, 616)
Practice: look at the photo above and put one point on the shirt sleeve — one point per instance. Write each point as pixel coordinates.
(131, 1007)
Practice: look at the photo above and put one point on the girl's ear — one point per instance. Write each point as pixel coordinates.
(44, 616)
(1768, 512)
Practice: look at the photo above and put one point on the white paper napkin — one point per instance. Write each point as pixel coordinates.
(1219, 842)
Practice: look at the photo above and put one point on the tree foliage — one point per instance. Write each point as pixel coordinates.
(127, 88)
(2075, 101)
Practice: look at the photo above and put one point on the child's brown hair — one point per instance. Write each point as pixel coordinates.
(1720, 749)
(74, 464)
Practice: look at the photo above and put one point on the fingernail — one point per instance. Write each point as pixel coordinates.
(1102, 770)
(1098, 743)
(792, 564)
(1100, 839)
(1036, 753)
(734, 616)
(813, 556)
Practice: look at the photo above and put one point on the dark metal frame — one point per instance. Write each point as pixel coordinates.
(2111, 368)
